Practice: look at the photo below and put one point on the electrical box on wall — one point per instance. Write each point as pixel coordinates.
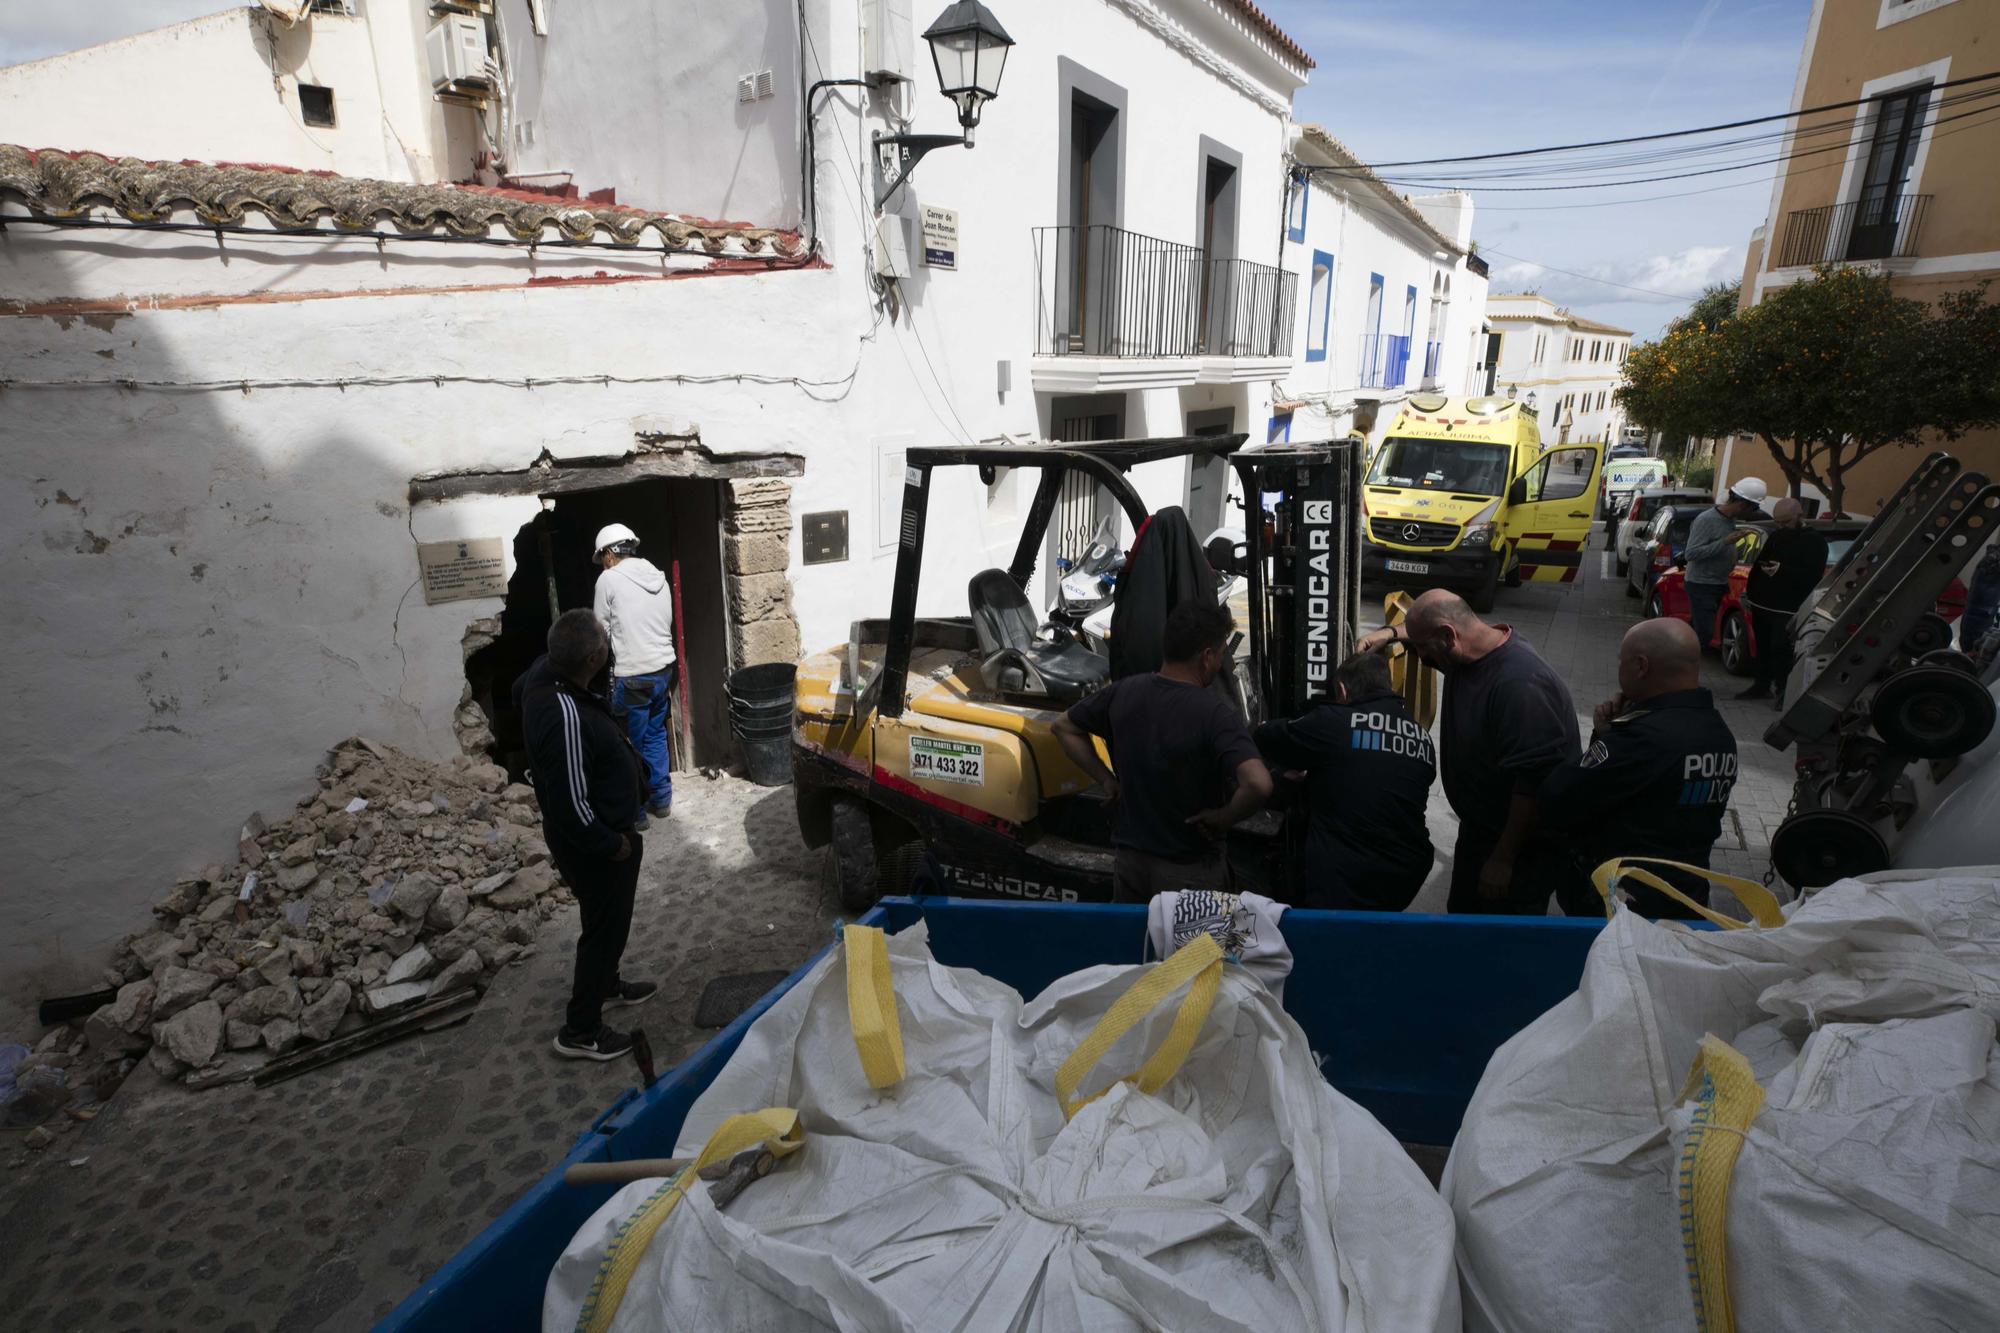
(889, 39)
(892, 246)
(455, 49)
(823, 537)
(755, 87)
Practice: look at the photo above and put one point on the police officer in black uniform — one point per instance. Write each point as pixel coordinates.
(1368, 770)
(1655, 778)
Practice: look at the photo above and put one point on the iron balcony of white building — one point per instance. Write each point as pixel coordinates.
(1385, 361)
(1117, 310)
(1874, 227)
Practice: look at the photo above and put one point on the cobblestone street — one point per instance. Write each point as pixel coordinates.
(320, 1202)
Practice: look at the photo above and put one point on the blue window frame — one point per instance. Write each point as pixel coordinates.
(1319, 312)
(1281, 428)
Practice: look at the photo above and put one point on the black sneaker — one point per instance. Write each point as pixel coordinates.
(604, 1044)
(631, 992)
(1756, 692)
(664, 810)
(639, 824)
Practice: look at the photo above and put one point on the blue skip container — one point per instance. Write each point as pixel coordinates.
(1404, 1010)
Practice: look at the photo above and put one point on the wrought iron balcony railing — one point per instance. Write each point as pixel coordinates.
(1105, 291)
(1875, 226)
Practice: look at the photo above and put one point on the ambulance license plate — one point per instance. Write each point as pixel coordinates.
(1407, 566)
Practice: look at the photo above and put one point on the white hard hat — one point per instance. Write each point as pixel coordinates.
(613, 534)
(1751, 489)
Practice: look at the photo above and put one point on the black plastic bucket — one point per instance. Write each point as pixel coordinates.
(760, 715)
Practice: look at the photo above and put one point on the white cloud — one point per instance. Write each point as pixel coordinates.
(1672, 279)
(31, 31)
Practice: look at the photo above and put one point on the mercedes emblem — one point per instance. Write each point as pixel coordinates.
(1411, 532)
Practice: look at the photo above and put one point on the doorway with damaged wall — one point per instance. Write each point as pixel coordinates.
(718, 528)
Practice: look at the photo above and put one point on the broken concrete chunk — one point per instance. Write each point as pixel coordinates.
(240, 1036)
(193, 1035)
(111, 1031)
(413, 897)
(448, 909)
(295, 879)
(178, 987)
(462, 973)
(218, 909)
(265, 1003)
(487, 777)
(163, 1062)
(300, 851)
(158, 947)
(275, 966)
(280, 1035)
(322, 1016)
(384, 998)
(490, 883)
(412, 966)
(132, 1011)
(182, 899)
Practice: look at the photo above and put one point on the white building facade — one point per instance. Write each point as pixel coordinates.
(1392, 296)
(297, 456)
(1569, 366)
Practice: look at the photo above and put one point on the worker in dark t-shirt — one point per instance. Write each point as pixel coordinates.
(1368, 768)
(1505, 723)
(1183, 768)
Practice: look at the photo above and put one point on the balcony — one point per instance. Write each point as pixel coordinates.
(1385, 361)
(1882, 226)
(1118, 310)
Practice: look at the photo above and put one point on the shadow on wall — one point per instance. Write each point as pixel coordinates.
(207, 590)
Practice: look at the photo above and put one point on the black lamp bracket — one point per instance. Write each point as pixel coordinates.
(900, 153)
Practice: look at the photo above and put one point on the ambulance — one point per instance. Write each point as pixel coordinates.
(1462, 495)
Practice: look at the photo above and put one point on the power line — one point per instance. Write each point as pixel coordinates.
(1667, 134)
(1571, 273)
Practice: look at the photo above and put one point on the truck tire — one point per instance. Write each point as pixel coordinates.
(1512, 573)
(1481, 597)
(856, 881)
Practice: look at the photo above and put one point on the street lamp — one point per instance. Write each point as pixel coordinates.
(969, 50)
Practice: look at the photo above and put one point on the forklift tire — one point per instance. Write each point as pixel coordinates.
(856, 881)
(1481, 598)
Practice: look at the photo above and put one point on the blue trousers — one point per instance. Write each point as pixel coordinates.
(644, 703)
(1704, 603)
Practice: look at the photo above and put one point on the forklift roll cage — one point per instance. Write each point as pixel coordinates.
(1106, 462)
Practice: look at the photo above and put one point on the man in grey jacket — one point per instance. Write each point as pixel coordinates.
(1711, 555)
(636, 607)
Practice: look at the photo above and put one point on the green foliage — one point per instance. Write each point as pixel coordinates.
(1715, 305)
(1825, 371)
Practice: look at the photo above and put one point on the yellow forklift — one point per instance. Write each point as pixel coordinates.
(923, 748)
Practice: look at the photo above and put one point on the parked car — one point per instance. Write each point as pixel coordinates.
(1630, 527)
(1734, 633)
(1628, 451)
(1660, 548)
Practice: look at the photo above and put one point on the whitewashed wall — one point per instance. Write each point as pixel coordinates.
(225, 89)
(212, 586)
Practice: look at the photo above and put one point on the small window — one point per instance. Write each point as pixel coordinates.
(1320, 312)
(1280, 429)
(1295, 208)
(315, 104)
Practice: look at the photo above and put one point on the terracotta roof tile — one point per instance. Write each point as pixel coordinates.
(63, 184)
(1264, 24)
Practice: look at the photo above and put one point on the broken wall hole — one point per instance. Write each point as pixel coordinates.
(679, 524)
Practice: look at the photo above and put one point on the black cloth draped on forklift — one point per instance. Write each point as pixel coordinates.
(1165, 568)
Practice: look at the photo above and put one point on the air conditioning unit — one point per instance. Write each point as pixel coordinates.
(456, 50)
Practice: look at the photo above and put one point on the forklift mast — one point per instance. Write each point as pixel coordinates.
(1304, 538)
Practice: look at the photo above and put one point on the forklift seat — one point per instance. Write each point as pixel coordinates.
(1012, 658)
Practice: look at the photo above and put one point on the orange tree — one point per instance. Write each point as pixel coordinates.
(1827, 371)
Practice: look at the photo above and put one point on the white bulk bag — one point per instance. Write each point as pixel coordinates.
(1236, 1192)
(1795, 1127)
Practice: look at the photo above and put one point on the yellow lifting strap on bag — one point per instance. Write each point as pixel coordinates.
(1757, 899)
(777, 1130)
(1726, 1099)
(1198, 966)
(871, 1006)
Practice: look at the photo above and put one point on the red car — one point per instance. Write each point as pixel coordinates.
(1732, 633)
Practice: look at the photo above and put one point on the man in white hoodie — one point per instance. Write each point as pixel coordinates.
(637, 609)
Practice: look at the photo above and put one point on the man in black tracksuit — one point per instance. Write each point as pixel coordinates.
(1655, 778)
(591, 785)
(1789, 566)
(1369, 769)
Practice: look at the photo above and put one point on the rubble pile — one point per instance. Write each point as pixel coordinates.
(398, 881)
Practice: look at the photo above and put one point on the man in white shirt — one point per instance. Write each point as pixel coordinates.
(636, 606)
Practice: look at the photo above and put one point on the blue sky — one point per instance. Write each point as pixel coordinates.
(1431, 78)
(1428, 78)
